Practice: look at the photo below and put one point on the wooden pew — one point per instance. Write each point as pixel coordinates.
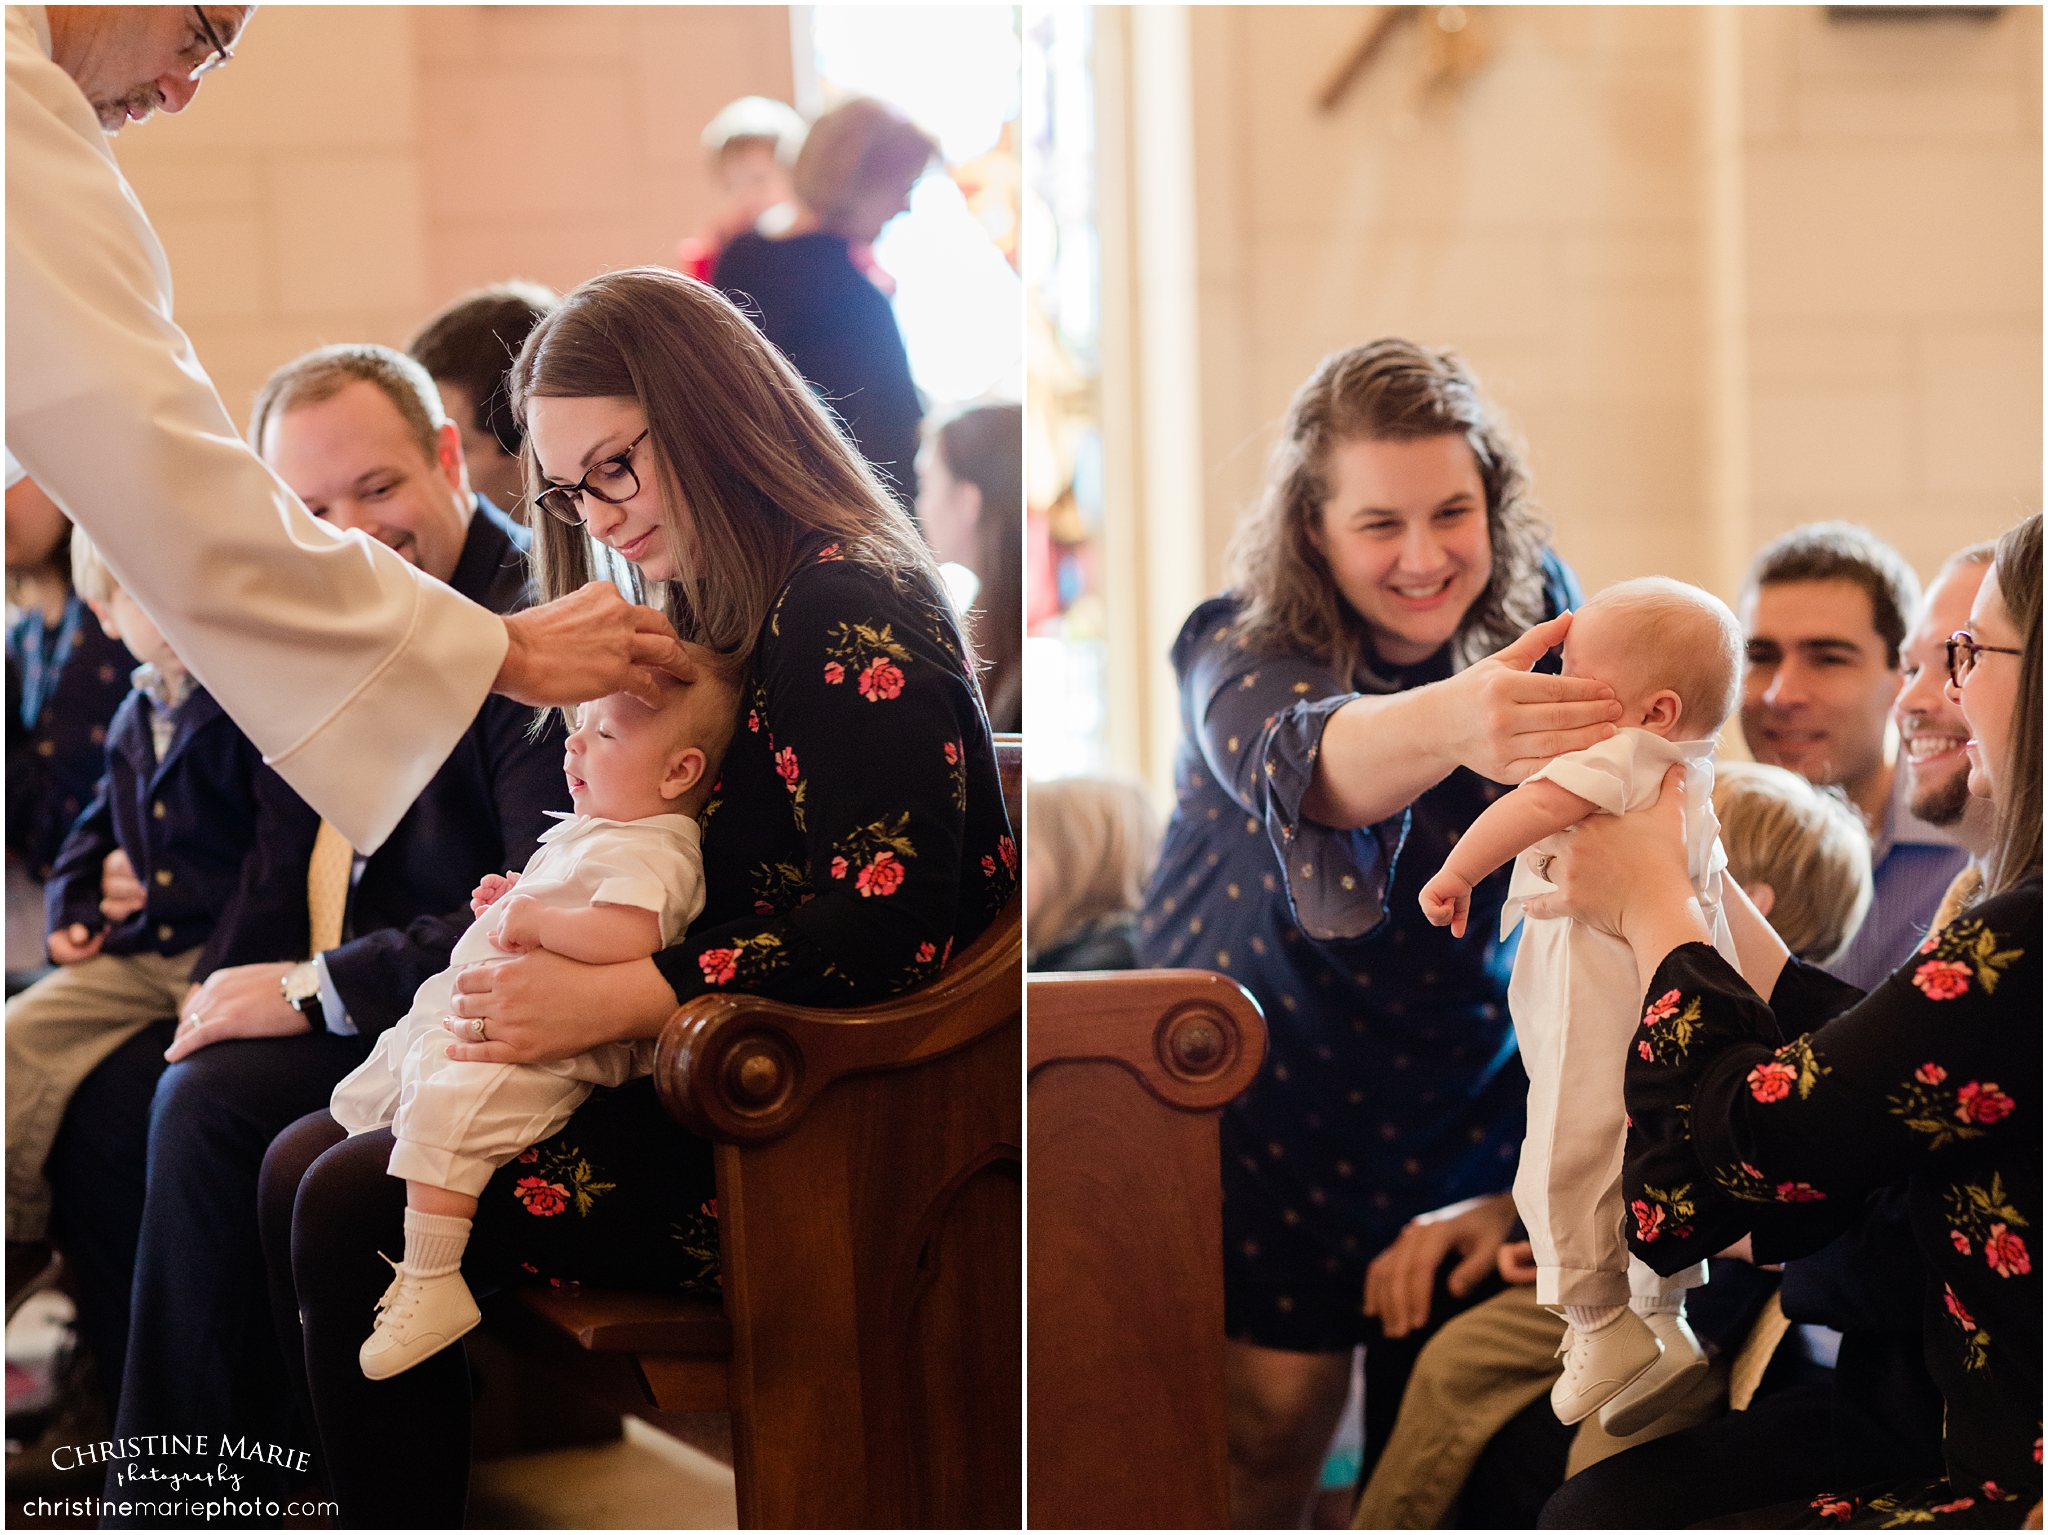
(869, 1342)
(1128, 1074)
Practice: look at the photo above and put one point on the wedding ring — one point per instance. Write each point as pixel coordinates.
(1543, 866)
(476, 1027)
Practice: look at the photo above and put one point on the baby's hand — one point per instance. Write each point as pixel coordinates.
(1445, 901)
(492, 886)
(74, 945)
(519, 932)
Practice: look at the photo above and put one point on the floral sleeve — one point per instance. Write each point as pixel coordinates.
(862, 747)
(1730, 1119)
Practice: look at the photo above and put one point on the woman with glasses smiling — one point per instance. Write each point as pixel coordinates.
(1933, 1080)
(857, 838)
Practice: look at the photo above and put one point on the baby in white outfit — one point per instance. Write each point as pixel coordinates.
(620, 879)
(1673, 655)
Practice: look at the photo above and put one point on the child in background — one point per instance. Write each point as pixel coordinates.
(1800, 853)
(618, 880)
(187, 801)
(1673, 655)
(753, 143)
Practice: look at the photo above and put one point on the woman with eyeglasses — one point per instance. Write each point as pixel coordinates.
(1777, 1116)
(856, 841)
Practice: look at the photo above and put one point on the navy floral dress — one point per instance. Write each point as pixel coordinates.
(855, 841)
(1933, 1081)
(1391, 1084)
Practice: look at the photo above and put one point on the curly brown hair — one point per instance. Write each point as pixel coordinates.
(1388, 391)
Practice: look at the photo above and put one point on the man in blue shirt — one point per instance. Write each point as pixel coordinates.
(1825, 610)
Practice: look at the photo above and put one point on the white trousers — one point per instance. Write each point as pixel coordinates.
(1574, 998)
(458, 1122)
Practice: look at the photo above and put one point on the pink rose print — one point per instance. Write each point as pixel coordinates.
(1929, 946)
(1931, 1074)
(882, 679)
(528, 1155)
(1942, 979)
(1982, 1103)
(947, 953)
(1956, 1507)
(1006, 849)
(1643, 1049)
(2006, 1253)
(1798, 1194)
(764, 908)
(540, 1196)
(829, 552)
(1648, 1219)
(1753, 1170)
(719, 965)
(785, 765)
(834, 673)
(839, 868)
(1961, 1242)
(953, 753)
(710, 1208)
(1831, 1507)
(529, 1268)
(882, 875)
(927, 952)
(1662, 1008)
(1771, 1081)
(754, 721)
(2037, 1449)
(1994, 1492)
(988, 866)
(1957, 1310)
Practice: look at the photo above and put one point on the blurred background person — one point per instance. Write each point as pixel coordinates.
(753, 144)
(65, 679)
(970, 504)
(466, 349)
(1088, 857)
(806, 289)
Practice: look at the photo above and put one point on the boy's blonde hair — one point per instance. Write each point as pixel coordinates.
(1100, 838)
(1697, 651)
(90, 577)
(1808, 844)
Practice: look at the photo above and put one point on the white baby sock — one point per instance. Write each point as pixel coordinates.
(1583, 1318)
(1670, 1300)
(434, 1243)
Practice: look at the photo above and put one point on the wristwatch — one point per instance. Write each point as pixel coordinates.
(300, 987)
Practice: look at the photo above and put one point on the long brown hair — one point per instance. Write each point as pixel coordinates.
(1389, 391)
(740, 442)
(2016, 848)
(985, 447)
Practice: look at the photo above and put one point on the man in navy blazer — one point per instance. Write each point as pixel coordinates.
(358, 433)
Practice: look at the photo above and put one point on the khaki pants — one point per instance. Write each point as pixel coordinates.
(57, 1032)
(1484, 1366)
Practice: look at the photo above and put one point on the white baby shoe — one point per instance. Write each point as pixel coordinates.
(416, 1319)
(1664, 1384)
(1600, 1365)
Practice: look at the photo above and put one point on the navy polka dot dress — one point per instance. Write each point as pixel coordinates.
(1391, 1084)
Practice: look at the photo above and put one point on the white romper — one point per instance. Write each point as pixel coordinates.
(457, 1122)
(1576, 1002)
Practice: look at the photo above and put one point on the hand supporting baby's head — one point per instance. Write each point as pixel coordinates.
(625, 761)
(1671, 652)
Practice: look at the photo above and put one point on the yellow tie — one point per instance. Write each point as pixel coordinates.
(327, 886)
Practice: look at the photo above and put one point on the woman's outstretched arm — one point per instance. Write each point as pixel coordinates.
(1497, 717)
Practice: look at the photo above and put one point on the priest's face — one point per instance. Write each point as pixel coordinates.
(358, 464)
(131, 60)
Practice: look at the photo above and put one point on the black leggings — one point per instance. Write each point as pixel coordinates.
(620, 1197)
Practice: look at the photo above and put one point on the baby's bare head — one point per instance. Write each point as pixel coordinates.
(1671, 652)
(625, 761)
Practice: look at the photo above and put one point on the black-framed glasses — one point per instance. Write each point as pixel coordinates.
(1963, 652)
(221, 54)
(611, 482)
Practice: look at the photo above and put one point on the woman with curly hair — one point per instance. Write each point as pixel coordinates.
(1370, 681)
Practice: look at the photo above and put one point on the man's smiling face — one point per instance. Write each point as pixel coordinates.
(1818, 686)
(1932, 730)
